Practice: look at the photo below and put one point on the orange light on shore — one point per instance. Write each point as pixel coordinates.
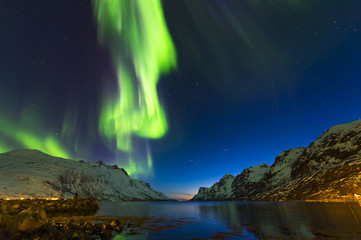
(26, 198)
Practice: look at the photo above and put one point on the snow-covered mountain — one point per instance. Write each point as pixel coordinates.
(219, 191)
(328, 170)
(31, 173)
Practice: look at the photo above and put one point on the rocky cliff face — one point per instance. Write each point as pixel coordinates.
(328, 170)
(221, 190)
(246, 182)
(31, 173)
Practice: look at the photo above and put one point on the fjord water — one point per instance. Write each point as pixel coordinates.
(254, 220)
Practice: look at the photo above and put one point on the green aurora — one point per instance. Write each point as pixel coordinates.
(27, 139)
(136, 34)
(142, 49)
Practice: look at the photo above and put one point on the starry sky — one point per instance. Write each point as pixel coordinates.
(253, 78)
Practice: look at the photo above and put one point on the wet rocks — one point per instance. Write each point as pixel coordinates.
(4, 207)
(2, 220)
(25, 222)
(50, 206)
(34, 219)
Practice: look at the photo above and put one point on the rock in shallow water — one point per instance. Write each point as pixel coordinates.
(25, 222)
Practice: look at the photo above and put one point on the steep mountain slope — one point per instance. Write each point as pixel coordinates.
(219, 191)
(31, 173)
(246, 182)
(328, 170)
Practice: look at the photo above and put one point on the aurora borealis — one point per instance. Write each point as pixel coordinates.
(136, 35)
(177, 92)
(141, 49)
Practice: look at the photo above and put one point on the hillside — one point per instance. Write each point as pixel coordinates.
(329, 169)
(31, 173)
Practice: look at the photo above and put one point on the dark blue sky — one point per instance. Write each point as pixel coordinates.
(254, 78)
(234, 105)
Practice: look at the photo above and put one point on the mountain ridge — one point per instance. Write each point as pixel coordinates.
(34, 174)
(329, 169)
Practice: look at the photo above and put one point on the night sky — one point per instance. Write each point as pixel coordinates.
(253, 78)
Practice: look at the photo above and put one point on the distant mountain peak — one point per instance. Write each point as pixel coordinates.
(329, 169)
(226, 176)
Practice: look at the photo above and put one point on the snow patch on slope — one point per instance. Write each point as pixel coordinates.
(219, 191)
(341, 128)
(31, 173)
(281, 169)
(328, 169)
(255, 173)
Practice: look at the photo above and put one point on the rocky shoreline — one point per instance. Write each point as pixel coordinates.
(43, 219)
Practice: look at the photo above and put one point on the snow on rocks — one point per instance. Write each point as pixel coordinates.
(328, 170)
(33, 174)
(221, 190)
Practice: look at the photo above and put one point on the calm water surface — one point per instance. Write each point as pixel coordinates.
(256, 220)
